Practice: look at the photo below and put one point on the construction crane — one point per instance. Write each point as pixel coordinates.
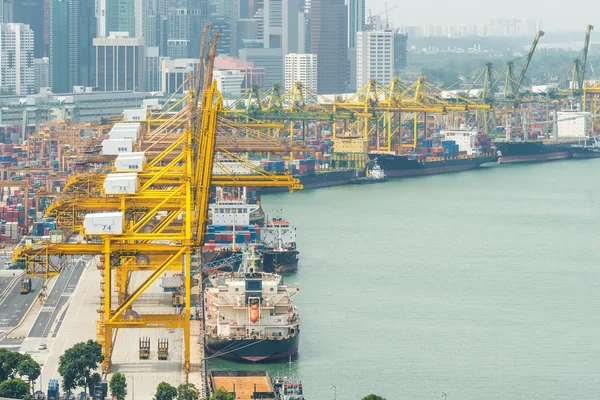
(511, 84)
(371, 18)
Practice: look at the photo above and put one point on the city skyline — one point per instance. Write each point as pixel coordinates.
(472, 12)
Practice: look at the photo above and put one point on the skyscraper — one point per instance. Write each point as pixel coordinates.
(16, 58)
(120, 63)
(284, 25)
(31, 12)
(356, 20)
(329, 41)
(374, 57)
(117, 16)
(301, 68)
(185, 23)
(72, 30)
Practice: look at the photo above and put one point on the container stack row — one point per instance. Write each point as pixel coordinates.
(221, 237)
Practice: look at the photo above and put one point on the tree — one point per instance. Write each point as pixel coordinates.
(222, 394)
(373, 397)
(164, 391)
(14, 389)
(118, 386)
(77, 363)
(187, 392)
(30, 369)
(9, 364)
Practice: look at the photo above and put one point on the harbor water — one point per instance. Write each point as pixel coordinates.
(482, 285)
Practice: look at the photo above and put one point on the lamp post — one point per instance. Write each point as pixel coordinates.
(132, 387)
(334, 392)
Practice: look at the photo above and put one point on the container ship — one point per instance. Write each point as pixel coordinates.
(279, 239)
(532, 151)
(451, 151)
(570, 140)
(250, 315)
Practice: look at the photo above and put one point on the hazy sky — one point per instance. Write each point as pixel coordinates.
(572, 15)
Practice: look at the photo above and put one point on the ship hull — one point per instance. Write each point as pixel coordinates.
(532, 151)
(280, 261)
(584, 153)
(561, 155)
(253, 350)
(400, 166)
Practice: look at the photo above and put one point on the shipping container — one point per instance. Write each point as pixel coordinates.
(110, 223)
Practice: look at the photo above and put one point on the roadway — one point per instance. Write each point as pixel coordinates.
(57, 303)
(13, 304)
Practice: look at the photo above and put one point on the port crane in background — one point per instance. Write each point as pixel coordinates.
(576, 72)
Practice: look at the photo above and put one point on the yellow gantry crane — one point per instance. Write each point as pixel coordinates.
(162, 224)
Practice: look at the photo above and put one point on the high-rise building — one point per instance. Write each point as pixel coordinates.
(400, 53)
(41, 67)
(117, 16)
(284, 25)
(152, 69)
(175, 72)
(329, 41)
(270, 59)
(120, 63)
(301, 68)
(374, 57)
(6, 11)
(229, 82)
(31, 12)
(72, 30)
(185, 23)
(222, 24)
(16, 59)
(356, 20)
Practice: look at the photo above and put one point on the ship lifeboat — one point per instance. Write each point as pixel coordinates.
(254, 313)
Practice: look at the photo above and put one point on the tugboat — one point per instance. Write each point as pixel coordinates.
(249, 315)
(279, 239)
(288, 389)
(373, 174)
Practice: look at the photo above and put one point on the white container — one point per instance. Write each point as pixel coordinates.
(130, 162)
(110, 223)
(121, 184)
(117, 146)
(127, 125)
(134, 115)
(236, 168)
(123, 134)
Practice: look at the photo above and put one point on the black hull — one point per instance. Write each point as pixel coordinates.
(280, 261)
(319, 180)
(533, 151)
(402, 166)
(253, 350)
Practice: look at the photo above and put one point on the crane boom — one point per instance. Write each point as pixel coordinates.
(586, 45)
(525, 66)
